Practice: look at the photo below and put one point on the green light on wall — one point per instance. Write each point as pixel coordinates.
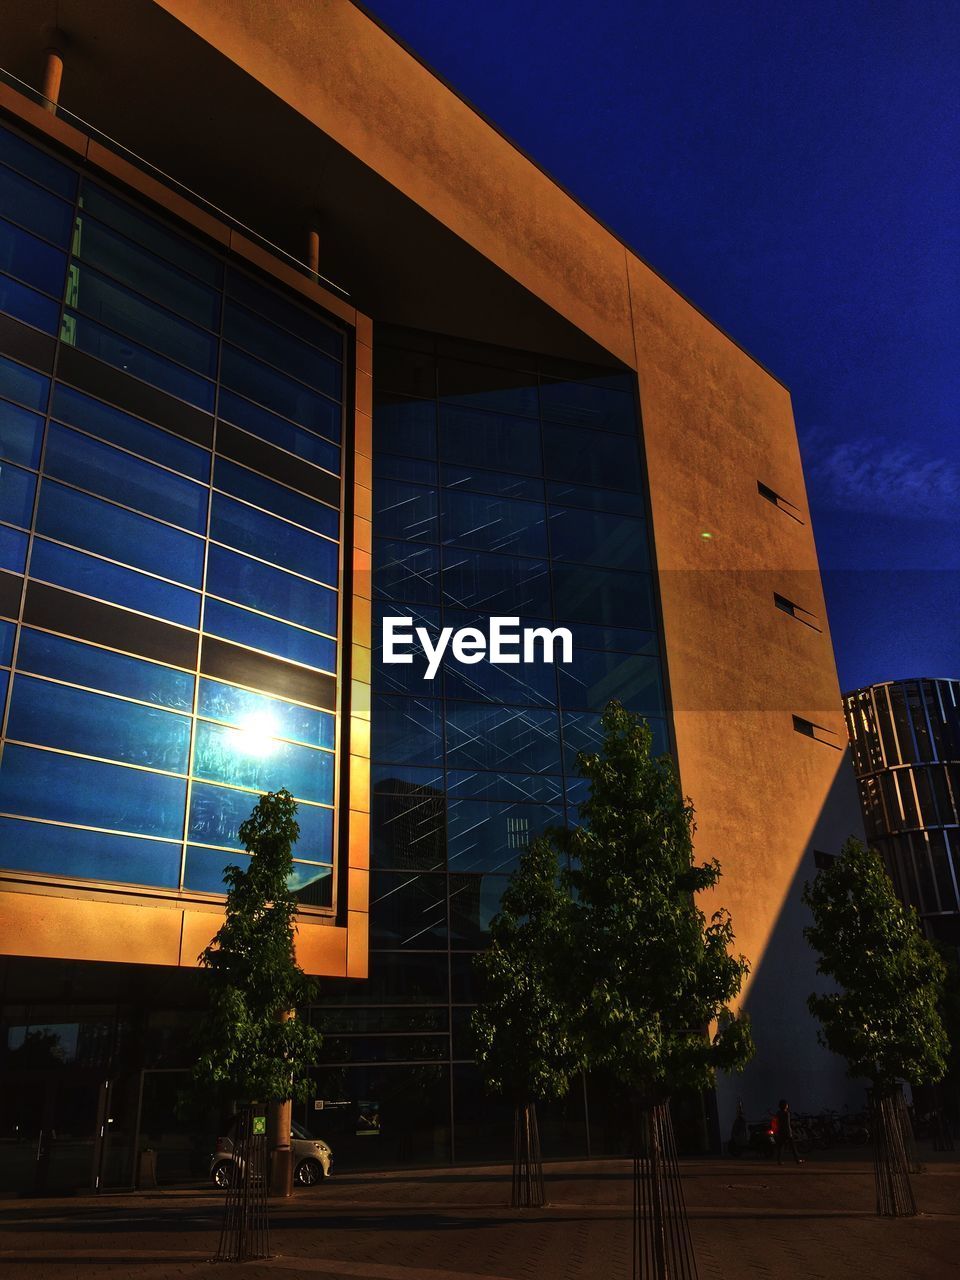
(706, 535)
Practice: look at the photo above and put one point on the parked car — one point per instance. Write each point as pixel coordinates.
(312, 1159)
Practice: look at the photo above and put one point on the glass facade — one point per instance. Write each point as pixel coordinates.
(503, 485)
(905, 741)
(170, 555)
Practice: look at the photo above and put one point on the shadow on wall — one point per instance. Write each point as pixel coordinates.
(789, 1062)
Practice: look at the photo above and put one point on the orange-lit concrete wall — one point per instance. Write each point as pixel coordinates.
(41, 917)
(715, 423)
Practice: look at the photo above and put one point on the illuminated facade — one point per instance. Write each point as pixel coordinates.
(221, 471)
(906, 752)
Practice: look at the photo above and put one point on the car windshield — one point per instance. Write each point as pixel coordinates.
(300, 1132)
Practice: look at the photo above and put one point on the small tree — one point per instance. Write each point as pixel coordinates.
(255, 1049)
(524, 1046)
(883, 1018)
(648, 973)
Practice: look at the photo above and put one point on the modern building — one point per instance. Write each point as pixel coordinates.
(905, 736)
(293, 339)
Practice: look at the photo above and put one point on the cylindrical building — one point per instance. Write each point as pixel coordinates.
(905, 738)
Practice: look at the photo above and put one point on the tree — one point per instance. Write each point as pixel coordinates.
(525, 1048)
(651, 978)
(883, 1017)
(255, 1048)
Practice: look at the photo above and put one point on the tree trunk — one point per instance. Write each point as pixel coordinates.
(890, 1169)
(527, 1191)
(908, 1137)
(279, 1130)
(662, 1245)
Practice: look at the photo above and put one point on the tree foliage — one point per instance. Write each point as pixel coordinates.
(649, 974)
(525, 1047)
(884, 1018)
(252, 1048)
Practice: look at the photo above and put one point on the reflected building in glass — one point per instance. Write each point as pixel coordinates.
(905, 736)
(274, 372)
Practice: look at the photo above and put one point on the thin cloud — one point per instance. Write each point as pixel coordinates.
(871, 476)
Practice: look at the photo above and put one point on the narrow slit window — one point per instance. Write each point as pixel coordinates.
(779, 501)
(796, 611)
(816, 731)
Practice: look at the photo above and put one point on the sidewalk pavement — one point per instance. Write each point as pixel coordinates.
(749, 1219)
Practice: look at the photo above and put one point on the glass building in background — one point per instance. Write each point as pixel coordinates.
(905, 736)
(170, 498)
(504, 485)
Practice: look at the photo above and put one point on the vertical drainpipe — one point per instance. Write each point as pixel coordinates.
(313, 252)
(53, 71)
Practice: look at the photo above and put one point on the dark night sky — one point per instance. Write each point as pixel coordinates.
(794, 169)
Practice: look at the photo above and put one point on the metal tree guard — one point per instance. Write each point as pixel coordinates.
(908, 1137)
(527, 1191)
(246, 1230)
(662, 1244)
(890, 1169)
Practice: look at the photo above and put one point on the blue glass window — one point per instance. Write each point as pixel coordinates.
(265, 302)
(407, 677)
(205, 867)
(264, 385)
(406, 426)
(241, 483)
(475, 439)
(494, 524)
(496, 584)
(216, 814)
(617, 639)
(282, 349)
(48, 655)
(36, 164)
(582, 456)
(405, 571)
(408, 910)
(405, 511)
(578, 495)
(111, 474)
(589, 404)
(241, 707)
(7, 632)
(390, 466)
(279, 638)
(474, 901)
(525, 787)
(105, 581)
(491, 837)
(593, 678)
(271, 539)
(605, 596)
(100, 247)
(55, 715)
(268, 426)
(130, 433)
(407, 730)
(502, 738)
(88, 855)
(582, 731)
(23, 385)
(248, 582)
(28, 305)
(17, 489)
(123, 353)
(166, 244)
(524, 684)
(595, 537)
(31, 260)
(136, 318)
(44, 784)
(13, 550)
(484, 387)
(495, 482)
(20, 434)
(251, 758)
(88, 523)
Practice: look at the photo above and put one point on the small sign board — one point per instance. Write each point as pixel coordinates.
(259, 1126)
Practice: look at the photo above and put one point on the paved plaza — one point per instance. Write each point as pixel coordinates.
(749, 1218)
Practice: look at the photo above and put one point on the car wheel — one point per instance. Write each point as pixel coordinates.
(308, 1173)
(223, 1174)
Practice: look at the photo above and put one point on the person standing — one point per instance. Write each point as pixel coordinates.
(784, 1133)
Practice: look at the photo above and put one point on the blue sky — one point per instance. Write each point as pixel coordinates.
(795, 170)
